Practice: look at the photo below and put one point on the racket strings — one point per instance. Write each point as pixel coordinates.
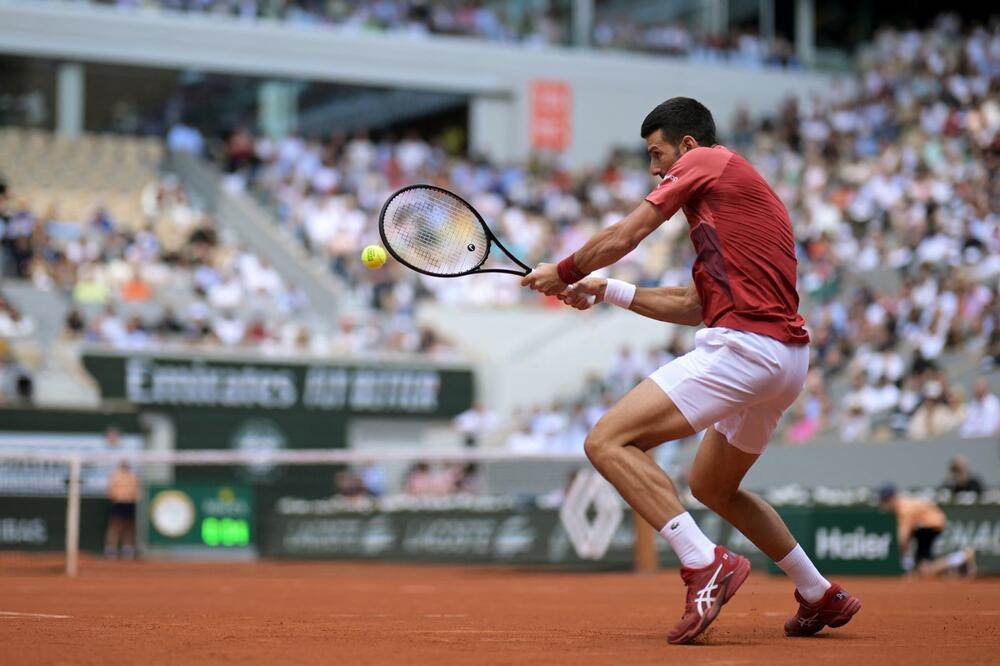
(434, 231)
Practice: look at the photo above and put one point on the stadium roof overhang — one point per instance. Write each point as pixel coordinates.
(263, 48)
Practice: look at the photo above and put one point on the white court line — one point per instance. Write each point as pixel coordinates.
(954, 612)
(13, 614)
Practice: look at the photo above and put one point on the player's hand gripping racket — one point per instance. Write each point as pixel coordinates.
(436, 232)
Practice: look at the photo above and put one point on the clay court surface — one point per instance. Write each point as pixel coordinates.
(337, 613)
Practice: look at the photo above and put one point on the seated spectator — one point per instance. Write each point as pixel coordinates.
(983, 412)
(12, 323)
(960, 479)
(350, 485)
(423, 481)
(467, 478)
(525, 441)
(183, 138)
(16, 385)
(855, 424)
(941, 412)
(804, 425)
(475, 423)
(861, 396)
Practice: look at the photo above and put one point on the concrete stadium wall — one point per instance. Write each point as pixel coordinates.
(611, 92)
(526, 356)
(836, 465)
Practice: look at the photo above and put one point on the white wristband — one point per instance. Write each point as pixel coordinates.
(619, 292)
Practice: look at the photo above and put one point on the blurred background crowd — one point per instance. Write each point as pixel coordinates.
(891, 183)
(529, 23)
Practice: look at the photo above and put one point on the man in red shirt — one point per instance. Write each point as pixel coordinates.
(748, 365)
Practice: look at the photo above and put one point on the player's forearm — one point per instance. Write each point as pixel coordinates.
(612, 243)
(603, 249)
(675, 305)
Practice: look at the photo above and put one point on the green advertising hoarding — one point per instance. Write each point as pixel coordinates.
(223, 402)
(857, 540)
(845, 540)
(39, 523)
(492, 532)
(265, 386)
(199, 517)
(974, 526)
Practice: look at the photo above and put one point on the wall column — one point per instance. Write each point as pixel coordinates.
(583, 22)
(70, 99)
(277, 107)
(805, 31)
(765, 20)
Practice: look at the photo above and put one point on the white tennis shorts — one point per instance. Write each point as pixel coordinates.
(740, 382)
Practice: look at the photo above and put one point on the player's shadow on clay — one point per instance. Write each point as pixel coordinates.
(710, 642)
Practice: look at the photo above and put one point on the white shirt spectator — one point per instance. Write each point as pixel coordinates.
(13, 325)
(855, 425)
(226, 294)
(476, 422)
(229, 329)
(524, 441)
(983, 413)
(113, 330)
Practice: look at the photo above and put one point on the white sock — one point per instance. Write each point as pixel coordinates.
(807, 578)
(688, 541)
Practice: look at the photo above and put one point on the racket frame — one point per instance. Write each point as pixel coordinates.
(490, 238)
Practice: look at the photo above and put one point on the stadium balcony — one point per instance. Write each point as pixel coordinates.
(500, 81)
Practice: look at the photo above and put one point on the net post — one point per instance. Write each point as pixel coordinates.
(73, 516)
(644, 554)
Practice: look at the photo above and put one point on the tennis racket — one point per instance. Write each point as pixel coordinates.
(436, 232)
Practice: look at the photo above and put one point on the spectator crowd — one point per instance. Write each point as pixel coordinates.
(174, 276)
(891, 183)
(536, 23)
(892, 188)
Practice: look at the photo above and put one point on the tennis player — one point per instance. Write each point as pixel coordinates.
(748, 365)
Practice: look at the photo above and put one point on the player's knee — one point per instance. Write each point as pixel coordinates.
(598, 444)
(594, 447)
(710, 493)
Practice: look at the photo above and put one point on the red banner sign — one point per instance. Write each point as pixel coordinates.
(551, 114)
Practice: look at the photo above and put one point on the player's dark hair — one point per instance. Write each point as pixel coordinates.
(680, 116)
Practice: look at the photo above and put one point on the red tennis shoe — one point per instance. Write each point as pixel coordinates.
(708, 590)
(835, 609)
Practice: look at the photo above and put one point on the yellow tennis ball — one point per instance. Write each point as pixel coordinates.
(373, 256)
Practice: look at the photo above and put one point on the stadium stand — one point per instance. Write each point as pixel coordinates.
(898, 244)
(141, 263)
(193, 358)
(527, 23)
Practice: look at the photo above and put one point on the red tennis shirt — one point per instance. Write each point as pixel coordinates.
(745, 271)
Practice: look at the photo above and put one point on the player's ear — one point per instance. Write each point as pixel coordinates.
(688, 143)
